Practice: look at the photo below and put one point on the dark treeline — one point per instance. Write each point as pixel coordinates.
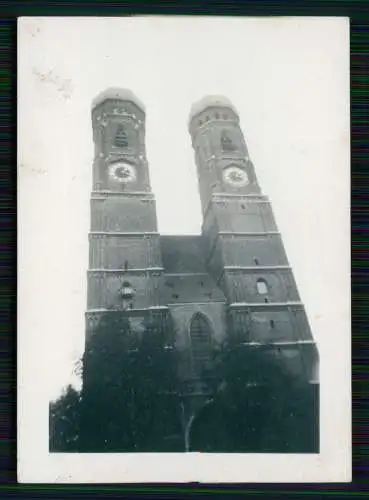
(131, 400)
(257, 407)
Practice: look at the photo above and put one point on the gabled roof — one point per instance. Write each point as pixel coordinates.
(183, 254)
(185, 271)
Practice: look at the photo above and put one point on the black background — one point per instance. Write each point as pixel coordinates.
(358, 11)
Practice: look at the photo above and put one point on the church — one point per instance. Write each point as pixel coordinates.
(232, 279)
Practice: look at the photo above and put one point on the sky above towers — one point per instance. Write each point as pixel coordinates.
(288, 80)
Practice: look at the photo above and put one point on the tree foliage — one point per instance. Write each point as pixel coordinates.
(129, 398)
(258, 407)
(64, 421)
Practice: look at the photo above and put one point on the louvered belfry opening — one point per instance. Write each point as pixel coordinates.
(121, 140)
(227, 144)
(200, 333)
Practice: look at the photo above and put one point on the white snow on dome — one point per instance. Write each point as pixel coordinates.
(117, 93)
(211, 101)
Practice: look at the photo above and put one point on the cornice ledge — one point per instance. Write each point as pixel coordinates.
(244, 233)
(266, 304)
(256, 268)
(143, 309)
(126, 271)
(109, 194)
(278, 343)
(252, 196)
(118, 233)
(210, 301)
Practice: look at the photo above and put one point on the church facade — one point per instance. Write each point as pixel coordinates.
(232, 279)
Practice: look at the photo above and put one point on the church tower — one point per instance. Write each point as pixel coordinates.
(245, 252)
(231, 282)
(125, 266)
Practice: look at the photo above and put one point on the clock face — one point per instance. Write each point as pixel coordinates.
(235, 176)
(122, 172)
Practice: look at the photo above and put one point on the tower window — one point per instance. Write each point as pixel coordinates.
(127, 291)
(175, 296)
(266, 300)
(200, 334)
(271, 323)
(262, 286)
(121, 140)
(227, 144)
(243, 206)
(256, 261)
(125, 265)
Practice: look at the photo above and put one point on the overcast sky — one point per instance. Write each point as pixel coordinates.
(288, 79)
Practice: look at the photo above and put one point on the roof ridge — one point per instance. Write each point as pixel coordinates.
(180, 235)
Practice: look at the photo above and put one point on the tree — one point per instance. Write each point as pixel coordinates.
(258, 407)
(64, 422)
(129, 388)
(106, 407)
(129, 400)
(155, 385)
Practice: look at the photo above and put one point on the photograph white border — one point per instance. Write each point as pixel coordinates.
(36, 464)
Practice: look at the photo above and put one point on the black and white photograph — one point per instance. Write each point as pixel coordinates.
(184, 257)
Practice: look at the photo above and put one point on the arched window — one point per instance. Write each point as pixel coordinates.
(262, 286)
(121, 140)
(227, 144)
(200, 334)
